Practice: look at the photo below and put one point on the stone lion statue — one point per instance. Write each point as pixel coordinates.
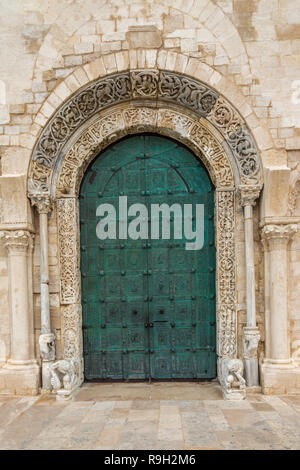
(231, 376)
(64, 374)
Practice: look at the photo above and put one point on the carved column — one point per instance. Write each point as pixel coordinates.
(18, 243)
(251, 337)
(47, 338)
(277, 237)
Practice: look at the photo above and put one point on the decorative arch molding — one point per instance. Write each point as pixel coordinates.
(122, 120)
(148, 85)
(133, 102)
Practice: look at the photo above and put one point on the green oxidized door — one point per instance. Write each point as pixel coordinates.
(148, 305)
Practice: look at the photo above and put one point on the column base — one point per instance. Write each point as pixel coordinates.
(20, 379)
(280, 379)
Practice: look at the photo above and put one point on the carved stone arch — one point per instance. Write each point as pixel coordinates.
(155, 86)
(133, 102)
(121, 120)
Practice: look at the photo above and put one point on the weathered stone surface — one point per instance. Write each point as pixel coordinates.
(244, 51)
(143, 36)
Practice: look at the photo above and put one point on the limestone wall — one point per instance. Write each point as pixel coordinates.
(252, 46)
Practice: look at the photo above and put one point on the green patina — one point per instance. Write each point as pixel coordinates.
(149, 306)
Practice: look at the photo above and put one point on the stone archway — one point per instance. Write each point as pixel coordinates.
(132, 102)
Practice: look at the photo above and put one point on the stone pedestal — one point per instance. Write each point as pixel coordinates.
(21, 372)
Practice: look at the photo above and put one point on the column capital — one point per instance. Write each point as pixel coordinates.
(279, 232)
(16, 240)
(42, 202)
(39, 196)
(249, 194)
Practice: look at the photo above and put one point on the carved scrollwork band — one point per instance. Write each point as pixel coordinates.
(251, 337)
(126, 120)
(147, 85)
(68, 233)
(226, 282)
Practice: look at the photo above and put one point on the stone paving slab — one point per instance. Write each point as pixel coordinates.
(179, 416)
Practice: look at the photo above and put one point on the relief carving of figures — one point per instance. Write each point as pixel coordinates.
(144, 83)
(227, 120)
(152, 85)
(187, 92)
(251, 339)
(47, 346)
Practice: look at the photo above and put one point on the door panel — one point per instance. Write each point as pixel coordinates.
(148, 305)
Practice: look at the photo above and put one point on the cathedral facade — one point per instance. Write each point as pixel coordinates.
(160, 102)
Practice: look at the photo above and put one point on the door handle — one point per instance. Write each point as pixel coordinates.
(151, 325)
(135, 312)
(161, 311)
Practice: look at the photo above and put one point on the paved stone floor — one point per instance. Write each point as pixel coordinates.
(157, 416)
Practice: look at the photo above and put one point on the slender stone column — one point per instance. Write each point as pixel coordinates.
(267, 297)
(278, 237)
(251, 337)
(47, 338)
(18, 243)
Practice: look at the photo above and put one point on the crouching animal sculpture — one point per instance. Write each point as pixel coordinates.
(231, 378)
(64, 374)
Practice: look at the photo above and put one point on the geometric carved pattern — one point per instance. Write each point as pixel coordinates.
(153, 86)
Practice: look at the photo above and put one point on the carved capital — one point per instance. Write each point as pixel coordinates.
(279, 232)
(42, 202)
(16, 240)
(251, 339)
(249, 194)
(38, 193)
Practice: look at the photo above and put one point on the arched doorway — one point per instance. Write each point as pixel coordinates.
(149, 306)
